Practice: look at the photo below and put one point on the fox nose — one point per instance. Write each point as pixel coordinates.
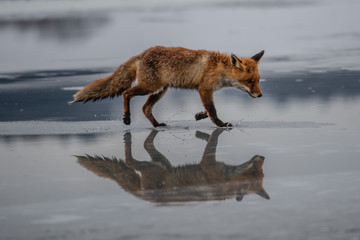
(260, 95)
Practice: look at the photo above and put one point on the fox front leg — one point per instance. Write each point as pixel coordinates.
(208, 101)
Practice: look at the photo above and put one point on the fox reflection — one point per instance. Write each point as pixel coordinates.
(158, 181)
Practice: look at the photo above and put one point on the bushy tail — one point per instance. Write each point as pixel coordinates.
(111, 86)
(114, 169)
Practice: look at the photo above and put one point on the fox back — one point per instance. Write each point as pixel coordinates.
(191, 69)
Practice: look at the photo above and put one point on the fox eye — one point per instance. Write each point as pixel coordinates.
(249, 81)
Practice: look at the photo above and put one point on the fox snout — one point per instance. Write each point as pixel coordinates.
(255, 95)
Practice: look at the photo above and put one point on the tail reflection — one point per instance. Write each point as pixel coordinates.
(159, 181)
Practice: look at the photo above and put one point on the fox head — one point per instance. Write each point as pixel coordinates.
(249, 176)
(245, 75)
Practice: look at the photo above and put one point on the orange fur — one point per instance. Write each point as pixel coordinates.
(111, 86)
(160, 68)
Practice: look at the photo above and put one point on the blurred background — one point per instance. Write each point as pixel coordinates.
(64, 45)
(64, 34)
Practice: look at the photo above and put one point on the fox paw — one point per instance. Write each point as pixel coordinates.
(226, 125)
(160, 125)
(201, 115)
(127, 120)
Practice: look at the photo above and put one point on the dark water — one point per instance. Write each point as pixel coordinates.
(26, 96)
(288, 169)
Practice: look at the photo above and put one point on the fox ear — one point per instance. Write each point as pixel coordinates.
(239, 197)
(263, 194)
(258, 56)
(236, 62)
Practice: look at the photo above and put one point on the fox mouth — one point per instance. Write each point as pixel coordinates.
(254, 96)
(247, 90)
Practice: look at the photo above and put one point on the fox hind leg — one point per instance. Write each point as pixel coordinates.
(148, 106)
(127, 95)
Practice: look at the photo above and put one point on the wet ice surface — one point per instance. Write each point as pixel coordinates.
(66, 171)
(311, 169)
(311, 175)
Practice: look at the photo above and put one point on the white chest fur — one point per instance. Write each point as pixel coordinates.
(231, 83)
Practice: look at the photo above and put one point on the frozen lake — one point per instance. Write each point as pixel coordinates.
(288, 169)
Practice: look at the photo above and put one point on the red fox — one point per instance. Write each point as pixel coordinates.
(159, 181)
(159, 68)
